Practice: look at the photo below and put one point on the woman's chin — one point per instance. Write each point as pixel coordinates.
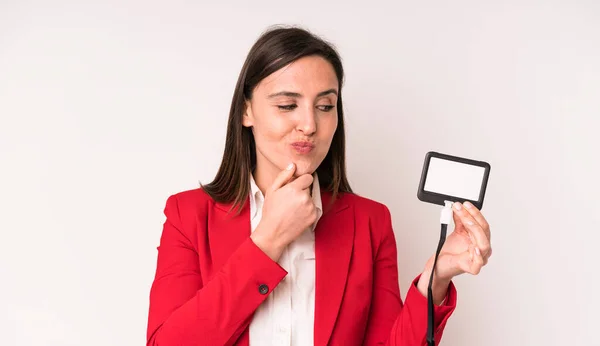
(304, 168)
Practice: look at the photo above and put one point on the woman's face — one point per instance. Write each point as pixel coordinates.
(293, 116)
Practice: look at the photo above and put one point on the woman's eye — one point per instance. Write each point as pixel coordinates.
(288, 107)
(325, 108)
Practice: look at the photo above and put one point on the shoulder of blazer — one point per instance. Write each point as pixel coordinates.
(188, 205)
(188, 210)
(365, 205)
(377, 213)
(192, 198)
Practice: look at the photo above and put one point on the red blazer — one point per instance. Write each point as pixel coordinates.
(211, 277)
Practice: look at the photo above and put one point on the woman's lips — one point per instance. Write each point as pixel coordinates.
(303, 147)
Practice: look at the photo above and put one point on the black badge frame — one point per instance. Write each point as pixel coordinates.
(437, 198)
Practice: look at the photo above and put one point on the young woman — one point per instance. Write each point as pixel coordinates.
(277, 250)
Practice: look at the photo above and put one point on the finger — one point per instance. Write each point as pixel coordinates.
(486, 256)
(466, 259)
(303, 182)
(478, 262)
(460, 228)
(470, 261)
(457, 222)
(473, 227)
(478, 216)
(283, 177)
(483, 257)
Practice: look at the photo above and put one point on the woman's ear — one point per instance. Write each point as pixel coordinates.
(248, 117)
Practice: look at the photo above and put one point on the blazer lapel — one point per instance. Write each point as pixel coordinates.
(334, 239)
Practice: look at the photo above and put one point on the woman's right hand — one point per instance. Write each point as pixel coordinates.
(288, 211)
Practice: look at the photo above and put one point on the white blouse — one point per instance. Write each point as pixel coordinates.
(286, 317)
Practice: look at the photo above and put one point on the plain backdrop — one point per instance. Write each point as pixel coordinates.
(109, 107)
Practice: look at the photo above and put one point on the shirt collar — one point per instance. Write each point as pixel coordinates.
(256, 197)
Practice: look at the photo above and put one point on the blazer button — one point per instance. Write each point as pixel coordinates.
(263, 289)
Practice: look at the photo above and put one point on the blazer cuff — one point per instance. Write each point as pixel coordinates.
(442, 312)
(265, 274)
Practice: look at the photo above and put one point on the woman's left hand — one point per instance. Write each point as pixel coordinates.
(466, 250)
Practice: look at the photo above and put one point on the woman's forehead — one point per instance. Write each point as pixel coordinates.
(308, 75)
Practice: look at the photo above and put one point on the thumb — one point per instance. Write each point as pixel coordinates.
(283, 177)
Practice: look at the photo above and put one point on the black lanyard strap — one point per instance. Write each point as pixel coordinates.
(430, 311)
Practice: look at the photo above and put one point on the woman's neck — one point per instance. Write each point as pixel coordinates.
(264, 178)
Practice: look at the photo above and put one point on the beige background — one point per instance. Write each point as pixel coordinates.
(107, 108)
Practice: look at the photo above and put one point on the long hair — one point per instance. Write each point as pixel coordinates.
(274, 49)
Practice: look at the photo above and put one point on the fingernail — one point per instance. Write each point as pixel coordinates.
(478, 252)
(290, 166)
(468, 205)
(457, 206)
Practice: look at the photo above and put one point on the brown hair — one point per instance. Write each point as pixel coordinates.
(274, 49)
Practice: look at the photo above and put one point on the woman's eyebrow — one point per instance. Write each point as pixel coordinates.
(298, 95)
(327, 92)
(284, 93)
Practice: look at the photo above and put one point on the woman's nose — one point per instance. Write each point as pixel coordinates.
(307, 123)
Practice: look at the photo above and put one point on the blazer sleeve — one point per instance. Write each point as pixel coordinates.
(391, 321)
(184, 310)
